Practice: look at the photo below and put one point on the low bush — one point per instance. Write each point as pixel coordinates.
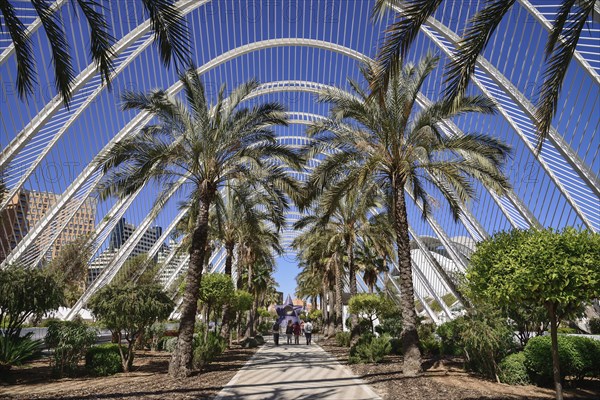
(512, 370)
(428, 343)
(154, 334)
(370, 349)
(449, 334)
(170, 344)
(578, 357)
(392, 326)
(206, 349)
(259, 339)
(103, 360)
(69, 341)
(595, 326)
(249, 343)
(566, 330)
(342, 339)
(17, 351)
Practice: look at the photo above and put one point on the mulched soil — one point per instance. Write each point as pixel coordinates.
(148, 380)
(445, 379)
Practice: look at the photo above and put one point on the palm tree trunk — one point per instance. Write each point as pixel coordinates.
(410, 337)
(338, 323)
(229, 246)
(181, 361)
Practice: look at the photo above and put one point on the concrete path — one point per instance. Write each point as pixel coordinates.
(295, 372)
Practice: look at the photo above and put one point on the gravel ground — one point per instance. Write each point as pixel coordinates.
(148, 380)
(446, 380)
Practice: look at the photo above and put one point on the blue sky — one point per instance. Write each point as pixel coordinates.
(287, 269)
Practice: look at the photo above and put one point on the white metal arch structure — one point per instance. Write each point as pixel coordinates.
(142, 118)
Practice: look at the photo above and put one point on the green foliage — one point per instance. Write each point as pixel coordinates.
(595, 326)
(343, 339)
(449, 333)
(128, 309)
(171, 344)
(243, 300)
(264, 313)
(259, 339)
(26, 293)
(17, 351)
(512, 370)
(207, 348)
(103, 360)
(537, 268)
(216, 290)
(565, 330)
(392, 326)
(369, 306)
(154, 333)
(578, 357)
(370, 349)
(428, 343)
(396, 346)
(70, 267)
(138, 269)
(69, 341)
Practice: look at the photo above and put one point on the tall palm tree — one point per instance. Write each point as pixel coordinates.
(208, 146)
(570, 19)
(371, 264)
(166, 21)
(381, 139)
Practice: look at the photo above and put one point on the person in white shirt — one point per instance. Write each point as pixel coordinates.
(308, 327)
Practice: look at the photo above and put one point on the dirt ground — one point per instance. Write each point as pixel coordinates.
(148, 380)
(446, 380)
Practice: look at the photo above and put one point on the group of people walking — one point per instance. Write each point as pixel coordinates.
(294, 329)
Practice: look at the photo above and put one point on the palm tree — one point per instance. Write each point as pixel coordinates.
(570, 19)
(208, 147)
(380, 139)
(166, 21)
(371, 264)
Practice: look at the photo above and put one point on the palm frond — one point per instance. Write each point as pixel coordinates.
(170, 31)
(474, 40)
(101, 40)
(559, 52)
(61, 57)
(399, 36)
(22, 42)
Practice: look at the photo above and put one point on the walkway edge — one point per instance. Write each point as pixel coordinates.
(236, 377)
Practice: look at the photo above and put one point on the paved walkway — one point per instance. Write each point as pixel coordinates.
(295, 372)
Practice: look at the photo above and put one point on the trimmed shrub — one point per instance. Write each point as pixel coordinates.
(578, 357)
(370, 349)
(207, 349)
(103, 360)
(170, 344)
(249, 343)
(595, 326)
(512, 370)
(428, 343)
(449, 333)
(392, 326)
(343, 339)
(70, 340)
(17, 351)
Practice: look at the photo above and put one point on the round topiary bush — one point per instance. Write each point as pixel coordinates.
(513, 370)
(103, 360)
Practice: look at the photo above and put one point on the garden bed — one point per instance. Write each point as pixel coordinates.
(148, 380)
(446, 379)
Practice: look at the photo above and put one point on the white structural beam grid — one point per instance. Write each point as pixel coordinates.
(573, 178)
(588, 47)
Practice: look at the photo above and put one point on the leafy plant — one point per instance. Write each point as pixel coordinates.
(595, 326)
(26, 293)
(69, 341)
(155, 333)
(391, 325)
(512, 370)
(207, 348)
(17, 351)
(343, 339)
(104, 360)
(127, 310)
(449, 333)
(370, 349)
(171, 344)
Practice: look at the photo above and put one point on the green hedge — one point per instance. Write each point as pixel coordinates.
(207, 349)
(512, 370)
(578, 356)
(103, 360)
